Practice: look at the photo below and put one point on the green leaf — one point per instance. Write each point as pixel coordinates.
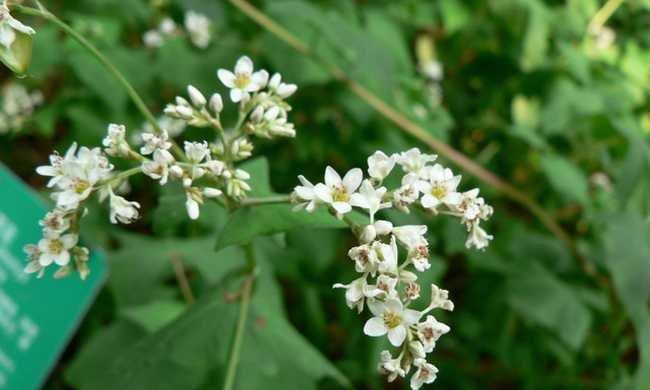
(565, 178)
(153, 316)
(627, 248)
(192, 351)
(249, 222)
(541, 298)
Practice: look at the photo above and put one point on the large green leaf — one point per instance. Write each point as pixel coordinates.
(565, 178)
(249, 222)
(627, 245)
(538, 296)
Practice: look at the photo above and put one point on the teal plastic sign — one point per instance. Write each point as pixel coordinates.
(37, 316)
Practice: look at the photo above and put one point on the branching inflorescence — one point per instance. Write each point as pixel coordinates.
(385, 257)
(206, 169)
(386, 284)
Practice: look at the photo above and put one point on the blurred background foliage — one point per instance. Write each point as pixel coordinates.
(527, 90)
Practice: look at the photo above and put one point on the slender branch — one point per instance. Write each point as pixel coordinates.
(266, 200)
(137, 100)
(181, 278)
(417, 131)
(247, 289)
(600, 17)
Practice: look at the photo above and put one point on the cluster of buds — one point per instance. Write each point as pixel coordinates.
(386, 284)
(205, 169)
(197, 27)
(17, 106)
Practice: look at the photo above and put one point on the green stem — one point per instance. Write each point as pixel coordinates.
(266, 200)
(247, 289)
(120, 176)
(137, 100)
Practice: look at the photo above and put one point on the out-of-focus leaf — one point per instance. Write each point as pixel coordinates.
(627, 246)
(153, 316)
(565, 178)
(541, 298)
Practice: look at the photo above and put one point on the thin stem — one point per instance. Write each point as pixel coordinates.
(137, 100)
(599, 19)
(181, 278)
(247, 289)
(266, 200)
(417, 131)
(121, 176)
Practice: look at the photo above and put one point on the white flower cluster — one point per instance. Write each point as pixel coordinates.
(386, 285)
(9, 26)
(18, 105)
(197, 26)
(73, 178)
(206, 169)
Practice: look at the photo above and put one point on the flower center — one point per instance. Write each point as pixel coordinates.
(428, 333)
(81, 186)
(438, 191)
(392, 319)
(340, 194)
(242, 80)
(55, 247)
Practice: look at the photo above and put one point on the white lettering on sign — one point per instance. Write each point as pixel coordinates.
(15, 267)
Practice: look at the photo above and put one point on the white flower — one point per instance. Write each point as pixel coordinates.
(122, 210)
(440, 299)
(33, 255)
(115, 141)
(439, 187)
(411, 236)
(369, 198)
(167, 26)
(473, 207)
(337, 192)
(408, 193)
(198, 27)
(9, 26)
(236, 185)
(153, 39)
(196, 151)
(281, 89)
(380, 165)
(365, 258)
(81, 173)
(271, 121)
(153, 142)
(416, 349)
(426, 373)
(432, 70)
(390, 318)
(430, 331)
(383, 228)
(55, 248)
(57, 166)
(477, 237)
(306, 194)
(158, 168)
(413, 160)
(55, 221)
(243, 80)
(390, 367)
(387, 256)
(384, 287)
(354, 297)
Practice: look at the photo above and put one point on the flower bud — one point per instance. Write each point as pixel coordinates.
(210, 192)
(216, 104)
(383, 227)
(368, 234)
(196, 96)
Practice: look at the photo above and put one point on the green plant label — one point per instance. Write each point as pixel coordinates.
(37, 317)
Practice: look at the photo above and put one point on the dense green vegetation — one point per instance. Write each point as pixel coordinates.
(528, 90)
